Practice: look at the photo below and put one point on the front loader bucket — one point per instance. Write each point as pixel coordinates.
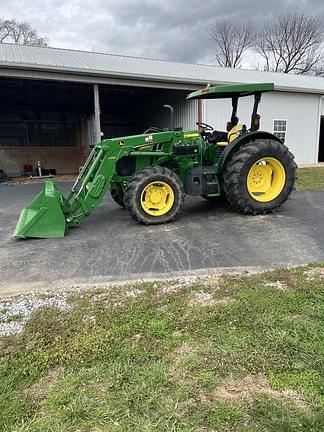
(43, 217)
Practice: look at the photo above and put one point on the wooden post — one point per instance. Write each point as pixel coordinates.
(84, 140)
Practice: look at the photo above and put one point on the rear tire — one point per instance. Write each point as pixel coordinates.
(154, 196)
(266, 166)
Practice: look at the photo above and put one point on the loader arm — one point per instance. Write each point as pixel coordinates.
(50, 214)
(92, 184)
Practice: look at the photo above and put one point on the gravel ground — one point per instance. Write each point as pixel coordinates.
(15, 311)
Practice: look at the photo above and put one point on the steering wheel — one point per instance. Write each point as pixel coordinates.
(205, 126)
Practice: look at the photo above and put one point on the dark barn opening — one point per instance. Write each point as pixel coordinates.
(131, 110)
(54, 122)
(321, 142)
(43, 121)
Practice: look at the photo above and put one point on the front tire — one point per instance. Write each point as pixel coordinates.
(154, 196)
(259, 177)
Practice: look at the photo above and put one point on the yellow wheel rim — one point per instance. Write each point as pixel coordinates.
(157, 198)
(266, 179)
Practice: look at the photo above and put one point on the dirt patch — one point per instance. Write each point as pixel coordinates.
(184, 350)
(248, 388)
(96, 384)
(178, 368)
(178, 356)
(224, 301)
(202, 298)
(38, 391)
(205, 399)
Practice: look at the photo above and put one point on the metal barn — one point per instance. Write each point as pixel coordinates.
(56, 102)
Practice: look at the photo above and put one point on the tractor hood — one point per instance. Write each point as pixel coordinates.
(231, 90)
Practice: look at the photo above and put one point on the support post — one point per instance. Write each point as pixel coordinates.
(97, 124)
(200, 111)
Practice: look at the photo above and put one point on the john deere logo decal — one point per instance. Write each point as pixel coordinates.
(149, 139)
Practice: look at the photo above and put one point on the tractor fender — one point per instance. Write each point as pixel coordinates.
(237, 143)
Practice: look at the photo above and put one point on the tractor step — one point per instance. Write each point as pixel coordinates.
(212, 184)
(212, 189)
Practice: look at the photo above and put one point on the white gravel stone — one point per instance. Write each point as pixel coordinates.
(312, 274)
(134, 293)
(178, 284)
(14, 313)
(278, 285)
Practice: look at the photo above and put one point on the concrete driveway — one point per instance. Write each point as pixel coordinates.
(110, 245)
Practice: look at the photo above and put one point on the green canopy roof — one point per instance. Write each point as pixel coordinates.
(228, 91)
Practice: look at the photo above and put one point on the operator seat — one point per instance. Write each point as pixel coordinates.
(233, 133)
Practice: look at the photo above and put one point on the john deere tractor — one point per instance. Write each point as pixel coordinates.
(150, 174)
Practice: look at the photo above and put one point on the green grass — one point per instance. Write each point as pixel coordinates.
(310, 178)
(232, 354)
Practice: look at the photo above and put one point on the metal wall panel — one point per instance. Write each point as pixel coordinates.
(322, 106)
(186, 114)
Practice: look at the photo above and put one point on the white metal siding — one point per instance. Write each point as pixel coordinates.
(300, 110)
(186, 114)
(322, 106)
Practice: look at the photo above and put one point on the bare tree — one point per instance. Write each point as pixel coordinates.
(319, 69)
(20, 33)
(5, 29)
(291, 44)
(231, 40)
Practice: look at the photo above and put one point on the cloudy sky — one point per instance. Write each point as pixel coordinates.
(166, 29)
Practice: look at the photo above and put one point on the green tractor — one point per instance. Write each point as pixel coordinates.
(150, 174)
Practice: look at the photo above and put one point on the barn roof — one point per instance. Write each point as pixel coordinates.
(72, 63)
